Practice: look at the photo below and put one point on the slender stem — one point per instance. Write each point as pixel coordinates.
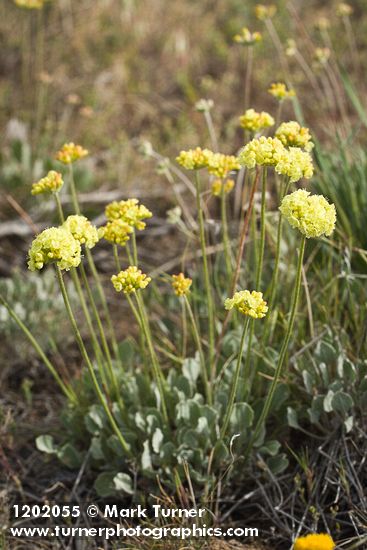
(93, 268)
(184, 329)
(195, 329)
(59, 208)
(233, 393)
(262, 230)
(68, 391)
(116, 256)
(227, 250)
(85, 356)
(101, 331)
(283, 351)
(156, 368)
(210, 126)
(135, 248)
(205, 269)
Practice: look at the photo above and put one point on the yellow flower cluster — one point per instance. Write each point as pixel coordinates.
(30, 4)
(129, 211)
(314, 542)
(312, 215)
(265, 12)
(82, 230)
(344, 10)
(204, 105)
(130, 280)
(116, 232)
(254, 121)
(51, 183)
(218, 184)
(220, 165)
(70, 153)
(247, 38)
(279, 91)
(181, 284)
(263, 151)
(54, 245)
(194, 159)
(248, 303)
(322, 55)
(291, 134)
(295, 164)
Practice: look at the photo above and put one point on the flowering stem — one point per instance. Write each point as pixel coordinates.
(227, 250)
(116, 256)
(135, 249)
(283, 351)
(93, 268)
(68, 391)
(210, 126)
(262, 231)
(156, 368)
(85, 356)
(205, 269)
(200, 349)
(235, 380)
(184, 330)
(59, 208)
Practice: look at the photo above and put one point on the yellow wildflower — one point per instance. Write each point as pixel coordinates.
(204, 105)
(279, 91)
(30, 4)
(194, 159)
(261, 151)
(344, 10)
(70, 153)
(217, 185)
(322, 55)
(54, 245)
(291, 134)
(314, 542)
(311, 214)
(130, 280)
(248, 303)
(129, 211)
(181, 284)
(291, 48)
(263, 12)
(323, 23)
(247, 38)
(116, 232)
(254, 121)
(220, 165)
(295, 164)
(82, 230)
(51, 183)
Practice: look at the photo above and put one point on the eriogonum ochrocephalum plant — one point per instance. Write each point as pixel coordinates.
(292, 134)
(51, 183)
(181, 284)
(255, 122)
(54, 245)
(312, 215)
(70, 153)
(248, 303)
(82, 230)
(130, 280)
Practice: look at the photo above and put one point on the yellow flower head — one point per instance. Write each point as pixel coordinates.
(204, 105)
(263, 151)
(116, 232)
(220, 165)
(130, 280)
(218, 184)
(54, 245)
(344, 9)
(70, 153)
(291, 134)
(295, 164)
(129, 211)
(265, 12)
(311, 214)
(254, 121)
(279, 91)
(291, 48)
(247, 38)
(30, 4)
(322, 55)
(248, 303)
(314, 542)
(323, 23)
(51, 183)
(181, 284)
(82, 230)
(194, 159)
